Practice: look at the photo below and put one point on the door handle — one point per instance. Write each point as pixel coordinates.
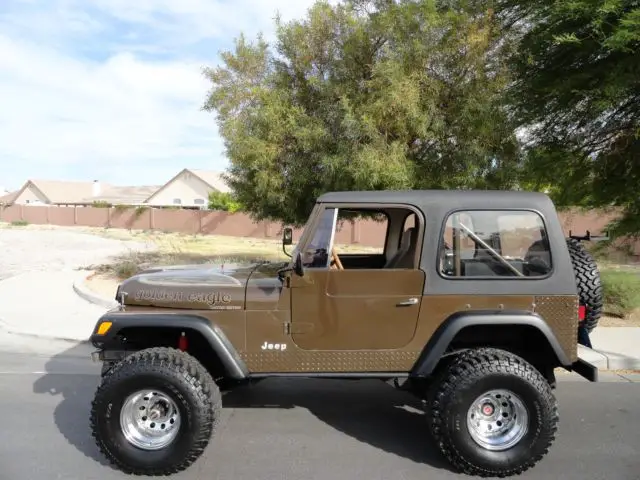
(407, 303)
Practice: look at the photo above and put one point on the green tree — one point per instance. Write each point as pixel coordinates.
(224, 201)
(365, 95)
(576, 92)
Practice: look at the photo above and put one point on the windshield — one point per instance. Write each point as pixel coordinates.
(296, 249)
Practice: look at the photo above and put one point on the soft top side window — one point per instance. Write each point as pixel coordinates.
(494, 244)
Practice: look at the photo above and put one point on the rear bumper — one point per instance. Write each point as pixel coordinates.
(585, 370)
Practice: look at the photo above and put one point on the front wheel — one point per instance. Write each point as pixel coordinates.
(493, 414)
(155, 413)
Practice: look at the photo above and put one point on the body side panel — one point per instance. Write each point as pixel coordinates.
(434, 312)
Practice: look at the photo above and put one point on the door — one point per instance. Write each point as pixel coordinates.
(351, 309)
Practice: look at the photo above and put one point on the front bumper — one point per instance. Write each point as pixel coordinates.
(99, 356)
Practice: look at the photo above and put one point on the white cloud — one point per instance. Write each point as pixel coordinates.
(82, 94)
(58, 112)
(192, 20)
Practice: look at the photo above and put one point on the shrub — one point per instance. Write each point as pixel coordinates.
(621, 291)
(224, 201)
(19, 223)
(126, 269)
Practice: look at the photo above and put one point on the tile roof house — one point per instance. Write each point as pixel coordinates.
(190, 188)
(59, 192)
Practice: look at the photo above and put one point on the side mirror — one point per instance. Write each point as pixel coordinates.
(287, 239)
(297, 265)
(287, 236)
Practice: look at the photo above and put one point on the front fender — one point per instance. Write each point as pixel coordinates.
(444, 335)
(215, 337)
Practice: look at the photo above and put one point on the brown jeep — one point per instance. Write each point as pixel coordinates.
(471, 302)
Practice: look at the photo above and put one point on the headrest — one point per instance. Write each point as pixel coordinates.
(409, 237)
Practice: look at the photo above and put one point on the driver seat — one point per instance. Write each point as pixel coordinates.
(404, 257)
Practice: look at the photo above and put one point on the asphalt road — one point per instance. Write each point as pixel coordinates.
(302, 429)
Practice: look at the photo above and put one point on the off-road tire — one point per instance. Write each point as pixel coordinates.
(434, 383)
(192, 389)
(587, 277)
(472, 373)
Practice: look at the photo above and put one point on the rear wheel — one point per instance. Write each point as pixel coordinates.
(493, 414)
(155, 413)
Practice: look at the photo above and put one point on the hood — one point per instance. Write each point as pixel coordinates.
(201, 287)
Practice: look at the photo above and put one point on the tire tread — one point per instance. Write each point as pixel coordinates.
(469, 367)
(171, 362)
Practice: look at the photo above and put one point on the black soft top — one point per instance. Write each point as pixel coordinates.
(452, 198)
(437, 205)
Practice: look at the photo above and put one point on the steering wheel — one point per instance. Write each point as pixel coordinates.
(336, 263)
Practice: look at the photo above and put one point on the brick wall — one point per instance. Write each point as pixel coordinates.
(183, 221)
(365, 232)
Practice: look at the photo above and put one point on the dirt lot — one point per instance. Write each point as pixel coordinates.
(632, 320)
(160, 248)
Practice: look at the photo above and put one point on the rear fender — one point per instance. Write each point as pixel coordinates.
(216, 339)
(500, 319)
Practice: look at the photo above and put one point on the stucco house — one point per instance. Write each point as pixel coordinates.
(75, 193)
(188, 189)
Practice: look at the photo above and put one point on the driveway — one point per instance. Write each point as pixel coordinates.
(37, 271)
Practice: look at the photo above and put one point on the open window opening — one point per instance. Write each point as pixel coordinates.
(356, 237)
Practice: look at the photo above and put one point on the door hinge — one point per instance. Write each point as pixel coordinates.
(287, 328)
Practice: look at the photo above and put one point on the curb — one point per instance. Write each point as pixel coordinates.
(616, 361)
(90, 296)
(608, 361)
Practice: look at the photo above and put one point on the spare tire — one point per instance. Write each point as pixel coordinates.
(587, 277)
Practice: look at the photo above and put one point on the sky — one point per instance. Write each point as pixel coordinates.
(113, 89)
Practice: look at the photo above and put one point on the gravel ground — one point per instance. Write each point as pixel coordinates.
(50, 250)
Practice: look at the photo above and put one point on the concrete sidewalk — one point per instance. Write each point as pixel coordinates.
(44, 304)
(619, 347)
(56, 305)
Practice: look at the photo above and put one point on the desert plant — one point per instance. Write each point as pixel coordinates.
(621, 291)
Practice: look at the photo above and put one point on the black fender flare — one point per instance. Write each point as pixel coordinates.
(217, 340)
(446, 332)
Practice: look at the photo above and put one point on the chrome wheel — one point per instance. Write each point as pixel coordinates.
(149, 419)
(497, 420)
